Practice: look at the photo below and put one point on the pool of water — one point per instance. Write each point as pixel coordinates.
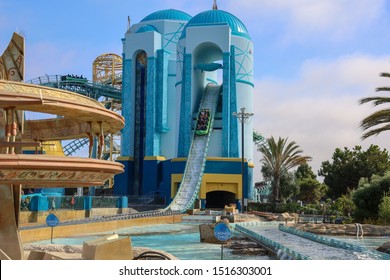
(181, 240)
(369, 242)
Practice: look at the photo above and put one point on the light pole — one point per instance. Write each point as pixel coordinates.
(243, 118)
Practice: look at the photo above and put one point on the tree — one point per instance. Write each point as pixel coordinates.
(349, 166)
(368, 196)
(344, 204)
(384, 210)
(378, 121)
(288, 186)
(305, 171)
(279, 157)
(310, 189)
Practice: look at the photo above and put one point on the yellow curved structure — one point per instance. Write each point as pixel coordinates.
(107, 69)
(76, 117)
(80, 115)
(51, 148)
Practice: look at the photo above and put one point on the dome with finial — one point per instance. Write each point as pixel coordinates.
(170, 14)
(216, 16)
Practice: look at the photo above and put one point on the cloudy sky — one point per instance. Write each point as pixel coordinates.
(313, 59)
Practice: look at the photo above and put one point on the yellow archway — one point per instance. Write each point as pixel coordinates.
(213, 182)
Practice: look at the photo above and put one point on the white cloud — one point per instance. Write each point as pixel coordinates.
(319, 109)
(303, 20)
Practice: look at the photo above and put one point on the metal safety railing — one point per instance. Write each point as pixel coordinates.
(81, 86)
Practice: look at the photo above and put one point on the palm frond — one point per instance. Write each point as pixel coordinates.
(383, 89)
(281, 156)
(376, 131)
(376, 118)
(377, 100)
(384, 74)
(379, 121)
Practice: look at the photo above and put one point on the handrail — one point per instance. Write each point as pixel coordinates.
(359, 229)
(87, 88)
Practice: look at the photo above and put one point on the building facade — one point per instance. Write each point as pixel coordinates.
(169, 60)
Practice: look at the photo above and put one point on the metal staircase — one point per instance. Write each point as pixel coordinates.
(75, 145)
(196, 161)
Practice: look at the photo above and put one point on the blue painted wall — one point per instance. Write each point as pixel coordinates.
(123, 183)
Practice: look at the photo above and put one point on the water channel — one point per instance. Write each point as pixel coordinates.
(183, 241)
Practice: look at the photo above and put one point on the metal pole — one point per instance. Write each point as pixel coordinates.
(242, 164)
(243, 118)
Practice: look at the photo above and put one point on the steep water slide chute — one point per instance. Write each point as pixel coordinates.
(196, 161)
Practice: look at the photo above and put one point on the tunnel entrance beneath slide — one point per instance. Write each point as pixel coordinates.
(218, 199)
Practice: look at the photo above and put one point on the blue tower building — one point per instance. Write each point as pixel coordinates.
(174, 68)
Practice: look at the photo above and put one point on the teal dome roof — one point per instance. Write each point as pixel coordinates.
(170, 14)
(146, 28)
(218, 16)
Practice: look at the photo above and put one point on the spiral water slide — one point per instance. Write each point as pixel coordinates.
(196, 161)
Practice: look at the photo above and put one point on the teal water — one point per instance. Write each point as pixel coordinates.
(368, 242)
(181, 240)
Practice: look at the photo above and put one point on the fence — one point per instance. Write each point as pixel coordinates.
(39, 202)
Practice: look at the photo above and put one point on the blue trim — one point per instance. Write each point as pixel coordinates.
(127, 108)
(250, 184)
(172, 75)
(151, 142)
(185, 108)
(233, 106)
(212, 81)
(162, 91)
(245, 82)
(244, 59)
(173, 37)
(226, 112)
(141, 91)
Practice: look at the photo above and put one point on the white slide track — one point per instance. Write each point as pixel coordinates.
(196, 161)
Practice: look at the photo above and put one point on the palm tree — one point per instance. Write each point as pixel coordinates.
(279, 157)
(380, 120)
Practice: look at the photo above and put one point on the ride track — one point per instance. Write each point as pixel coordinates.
(83, 87)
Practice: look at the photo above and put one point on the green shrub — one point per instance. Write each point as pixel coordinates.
(311, 209)
(261, 207)
(384, 210)
(368, 196)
